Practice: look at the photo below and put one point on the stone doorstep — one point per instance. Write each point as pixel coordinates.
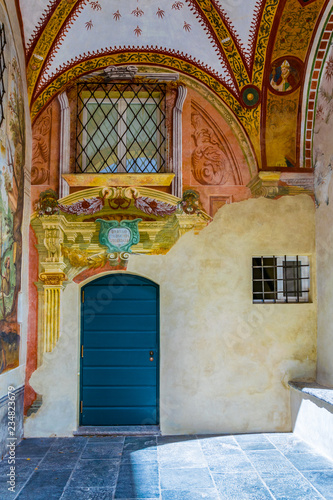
(131, 430)
(315, 391)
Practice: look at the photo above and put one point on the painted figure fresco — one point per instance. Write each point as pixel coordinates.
(284, 77)
(12, 157)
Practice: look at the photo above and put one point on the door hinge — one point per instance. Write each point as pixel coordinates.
(81, 351)
(81, 406)
(82, 297)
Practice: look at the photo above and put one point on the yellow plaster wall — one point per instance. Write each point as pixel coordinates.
(324, 244)
(225, 362)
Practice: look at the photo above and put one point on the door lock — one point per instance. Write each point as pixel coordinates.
(151, 353)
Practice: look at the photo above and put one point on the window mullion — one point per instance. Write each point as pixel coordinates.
(122, 129)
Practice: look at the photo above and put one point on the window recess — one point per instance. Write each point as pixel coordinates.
(121, 127)
(280, 279)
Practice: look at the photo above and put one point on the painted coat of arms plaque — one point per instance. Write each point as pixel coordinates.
(119, 236)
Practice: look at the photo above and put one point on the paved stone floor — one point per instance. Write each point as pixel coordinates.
(251, 466)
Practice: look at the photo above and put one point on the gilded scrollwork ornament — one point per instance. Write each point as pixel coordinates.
(80, 258)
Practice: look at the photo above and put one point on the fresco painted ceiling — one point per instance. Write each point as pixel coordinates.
(227, 46)
(212, 35)
(165, 23)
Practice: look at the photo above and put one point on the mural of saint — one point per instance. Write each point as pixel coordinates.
(12, 160)
(284, 78)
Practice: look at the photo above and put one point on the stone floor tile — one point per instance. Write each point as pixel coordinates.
(102, 451)
(138, 481)
(219, 446)
(33, 447)
(241, 486)
(129, 468)
(291, 487)
(207, 494)
(269, 461)
(140, 457)
(292, 444)
(45, 484)
(88, 494)
(7, 494)
(58, 460)
(174, 439)
(280, 437)
(185, 479)
(69, 445)
(106, 439)
(140, 443)
(229, 463)
(309, 461)
(23, 467)
(253, 446)
(322, 481)
(94, 473)
(184, 454)
(251, 438)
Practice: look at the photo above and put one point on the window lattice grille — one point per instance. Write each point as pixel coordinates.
(121, 128)
(2, 70)
(281, 279)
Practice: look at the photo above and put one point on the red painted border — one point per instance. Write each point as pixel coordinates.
(20, 20)
(269, 53)
(68, 22)
(265, 87)
(254, 28)
(247, 60)
(41, 25)
(200, 15)
(314, 84)
(119, 50)
(247, 56)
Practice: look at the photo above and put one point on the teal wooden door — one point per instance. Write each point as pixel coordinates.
(119, 352)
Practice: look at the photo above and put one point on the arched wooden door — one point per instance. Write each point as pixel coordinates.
(119, 351)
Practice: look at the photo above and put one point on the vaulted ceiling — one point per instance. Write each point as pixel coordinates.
(227, 45)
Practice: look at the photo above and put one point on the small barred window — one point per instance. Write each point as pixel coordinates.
(2, 70)
(281, 279)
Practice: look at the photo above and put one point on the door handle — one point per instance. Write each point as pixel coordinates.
(151, 356)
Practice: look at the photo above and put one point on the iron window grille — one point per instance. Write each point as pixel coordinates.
(121, 127)
(281, 279)
(2, 70)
